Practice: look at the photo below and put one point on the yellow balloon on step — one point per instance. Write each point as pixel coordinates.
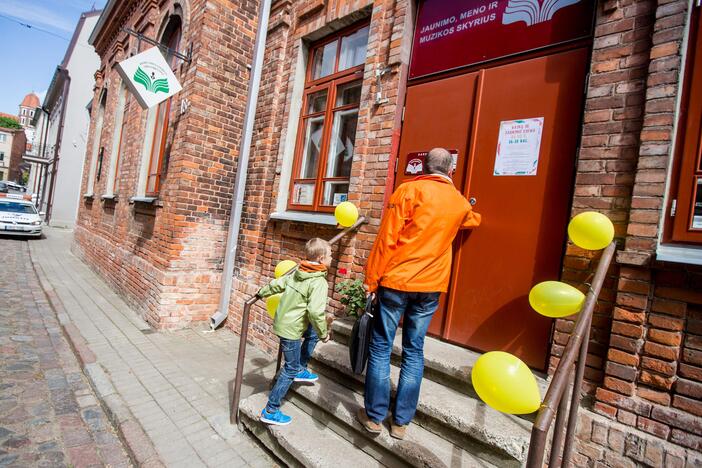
(283, 267)
(505, 383)
(555, 299)
(272, 304)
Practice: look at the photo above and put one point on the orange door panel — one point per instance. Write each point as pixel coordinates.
(520, 242)
(441, 115)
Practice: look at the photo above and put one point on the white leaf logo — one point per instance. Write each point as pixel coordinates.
(531, 12)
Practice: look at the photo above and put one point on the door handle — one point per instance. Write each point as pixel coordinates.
(472, 201)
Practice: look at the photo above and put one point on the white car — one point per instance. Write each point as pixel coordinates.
(19, 217)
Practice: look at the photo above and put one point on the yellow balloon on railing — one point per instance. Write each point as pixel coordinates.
(346, 214)
(505, 383)
(272, 303)
(555, 299)
(283, 267)
(591, 230)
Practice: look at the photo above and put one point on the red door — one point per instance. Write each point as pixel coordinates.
(524, 216)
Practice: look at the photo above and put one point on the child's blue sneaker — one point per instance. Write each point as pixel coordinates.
(277, 418)
(306, 376)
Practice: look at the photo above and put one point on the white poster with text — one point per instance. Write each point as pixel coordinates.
(518, 146)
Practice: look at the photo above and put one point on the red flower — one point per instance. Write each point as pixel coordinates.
(343, 271)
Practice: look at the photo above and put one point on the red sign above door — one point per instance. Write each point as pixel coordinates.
(453, 34)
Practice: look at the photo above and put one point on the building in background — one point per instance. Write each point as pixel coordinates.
(27, 109)
(13, 142)
(62, 126)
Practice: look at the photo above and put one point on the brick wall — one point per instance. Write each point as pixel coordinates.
(165, 258)
(19, 145)
(263, 242)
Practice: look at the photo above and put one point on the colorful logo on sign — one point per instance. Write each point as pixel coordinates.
(151, 83)
(415, 166)
(531, 12)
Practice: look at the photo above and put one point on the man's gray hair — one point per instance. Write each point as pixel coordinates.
(438, 161)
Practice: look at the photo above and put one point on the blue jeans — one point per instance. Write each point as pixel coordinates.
(418, 309)
(296, 356)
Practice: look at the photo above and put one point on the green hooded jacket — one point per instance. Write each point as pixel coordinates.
(304, 301)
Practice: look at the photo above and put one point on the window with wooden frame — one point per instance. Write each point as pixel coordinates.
(118, 139)
(171, 39)
(97, 136)
(327, 130)
(685, 209)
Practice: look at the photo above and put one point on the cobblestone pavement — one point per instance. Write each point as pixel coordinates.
(167, 390)
(49, 415)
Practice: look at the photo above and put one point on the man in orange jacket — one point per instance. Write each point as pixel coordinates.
(409, 268)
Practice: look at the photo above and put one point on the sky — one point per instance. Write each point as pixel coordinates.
(30, 55)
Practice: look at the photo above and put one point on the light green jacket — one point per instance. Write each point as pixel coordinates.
(304, 301)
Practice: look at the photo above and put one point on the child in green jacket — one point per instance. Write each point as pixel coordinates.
(299, 322)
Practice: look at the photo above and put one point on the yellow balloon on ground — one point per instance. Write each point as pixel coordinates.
(283, 267)
(556, 299)
(505, 383)
(591, 230)
(272, 304)
(346, 214)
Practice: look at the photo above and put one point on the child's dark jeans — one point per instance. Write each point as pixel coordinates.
(296, 356)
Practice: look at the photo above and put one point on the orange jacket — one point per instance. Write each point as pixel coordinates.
(412, 251)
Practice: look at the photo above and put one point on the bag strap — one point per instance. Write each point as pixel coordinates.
(369, 305)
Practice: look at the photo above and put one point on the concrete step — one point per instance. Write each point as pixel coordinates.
(454, 416)
(305, 442)
(337, 405)
(444, 362)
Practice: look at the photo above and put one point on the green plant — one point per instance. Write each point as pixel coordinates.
(353, 296)
(8, 122)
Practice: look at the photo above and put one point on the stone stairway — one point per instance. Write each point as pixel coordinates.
(452, 428)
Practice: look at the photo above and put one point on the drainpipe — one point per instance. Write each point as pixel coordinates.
(57, 149)
(242, 166)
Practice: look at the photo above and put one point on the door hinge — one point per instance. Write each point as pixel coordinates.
(403, 113)
(673, 207)
(587, 83)
(397, 163)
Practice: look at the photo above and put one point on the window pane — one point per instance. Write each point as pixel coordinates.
(353, 49)
(303, 194)
(342, 143)
(317, 102)
(314, 127)
(335, 192)
(324, 60)
(697, 207)
(154, 168)
(349, 93)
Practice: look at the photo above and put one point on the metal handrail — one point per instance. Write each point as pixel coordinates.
(556, 393)
(243, 335)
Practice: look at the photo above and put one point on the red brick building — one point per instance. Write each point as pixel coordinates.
(350, 97)
(157, 183)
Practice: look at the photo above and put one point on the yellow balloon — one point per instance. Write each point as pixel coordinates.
(346, 214)
(283, 267)
(272, 304)
(556, 299)
(591, 230)
(505, 383)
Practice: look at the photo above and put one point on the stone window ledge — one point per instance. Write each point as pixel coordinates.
(304, 217)
(688, 254)
(145, 200)
(109, 197)
(89, 196)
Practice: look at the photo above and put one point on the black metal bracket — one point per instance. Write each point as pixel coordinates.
(140, 37)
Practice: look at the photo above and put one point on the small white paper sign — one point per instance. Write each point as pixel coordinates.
(149, 77)
(518, 146)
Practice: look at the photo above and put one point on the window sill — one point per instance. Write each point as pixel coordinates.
(109, 197)
(89, 196)
(688, 254)
(304, 217)
(146, 200)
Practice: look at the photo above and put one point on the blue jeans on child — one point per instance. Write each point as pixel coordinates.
(418, 309)
(296, 356)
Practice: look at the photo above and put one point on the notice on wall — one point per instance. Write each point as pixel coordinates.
(415, 162)
(303, 194)
(518, 146)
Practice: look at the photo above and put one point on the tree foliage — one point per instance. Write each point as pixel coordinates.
(8, 122)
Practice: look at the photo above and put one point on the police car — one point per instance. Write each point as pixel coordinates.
(18, 216)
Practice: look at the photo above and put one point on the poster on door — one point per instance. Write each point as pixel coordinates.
(518, 146)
